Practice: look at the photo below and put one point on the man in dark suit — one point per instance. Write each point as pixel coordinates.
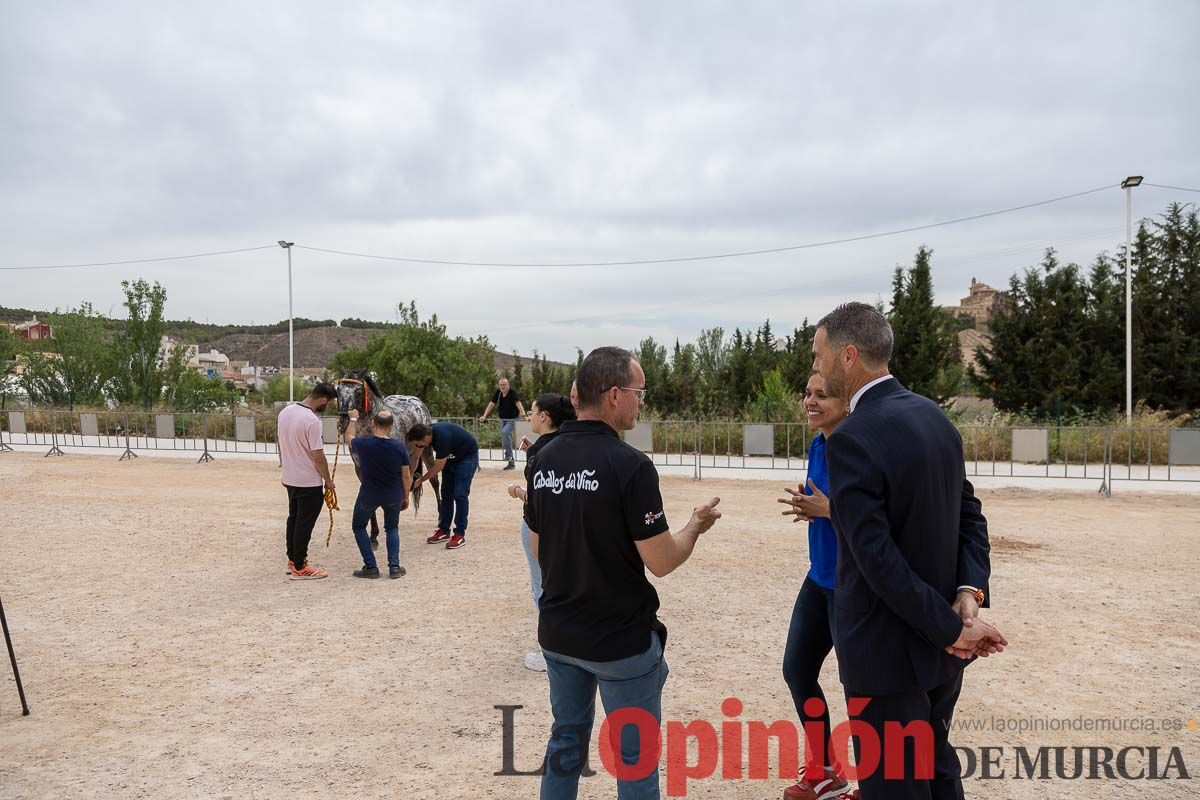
(913, 563)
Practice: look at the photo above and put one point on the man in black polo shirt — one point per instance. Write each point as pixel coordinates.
(509, 409)
(597, 523)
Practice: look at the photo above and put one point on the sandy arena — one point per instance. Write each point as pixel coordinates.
(166, 655)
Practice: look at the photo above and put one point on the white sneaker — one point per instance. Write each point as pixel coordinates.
(535, 661)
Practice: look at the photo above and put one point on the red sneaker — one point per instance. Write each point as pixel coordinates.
(825, 785)
(438, 536)
(309, 573)
(456, 541)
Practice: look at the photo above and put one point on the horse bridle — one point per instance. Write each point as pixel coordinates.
(366, 392)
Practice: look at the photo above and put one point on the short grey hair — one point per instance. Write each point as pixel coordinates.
(604, 368)
(863, 326)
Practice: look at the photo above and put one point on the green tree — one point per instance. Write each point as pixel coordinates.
(925, 356)
(685, 379)
(277, 389)
(653, 358)
(1037, 356)
(195, 393)
(82, 367)
(147, 369)
(453, 375)
(797, 357)
(774, 401)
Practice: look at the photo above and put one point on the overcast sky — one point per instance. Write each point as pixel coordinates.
(557, 132)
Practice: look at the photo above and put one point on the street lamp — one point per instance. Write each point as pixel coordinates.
(1127, 185)
(291, 344)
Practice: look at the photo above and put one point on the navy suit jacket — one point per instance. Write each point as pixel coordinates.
(910, 532)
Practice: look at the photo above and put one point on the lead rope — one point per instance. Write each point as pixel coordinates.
(331, 502)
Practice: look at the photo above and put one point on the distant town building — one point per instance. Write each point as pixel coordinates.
(980, 305)
(34, 330)
(167, 345)
(212, 364)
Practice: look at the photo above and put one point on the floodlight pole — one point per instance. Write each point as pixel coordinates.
(1127, 185)
(291, 333)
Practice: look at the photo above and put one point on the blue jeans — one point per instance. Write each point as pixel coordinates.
(535, 571)
(391, 527)
(456, 488)
(507, 427)
(634, 682)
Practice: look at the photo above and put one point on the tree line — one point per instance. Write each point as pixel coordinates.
(1056, 347)
(1059, 344)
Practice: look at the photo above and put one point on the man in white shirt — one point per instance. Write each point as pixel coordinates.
(305, 475)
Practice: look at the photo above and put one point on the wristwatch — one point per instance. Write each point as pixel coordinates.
(976, 593)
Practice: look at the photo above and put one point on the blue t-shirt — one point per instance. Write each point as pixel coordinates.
(450, 440)
(379, 463)
(822, 541)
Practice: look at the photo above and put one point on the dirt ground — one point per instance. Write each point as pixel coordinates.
(166, 655)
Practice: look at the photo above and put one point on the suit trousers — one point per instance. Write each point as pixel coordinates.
(934, 708)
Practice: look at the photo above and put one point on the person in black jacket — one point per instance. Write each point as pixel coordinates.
(912, 565)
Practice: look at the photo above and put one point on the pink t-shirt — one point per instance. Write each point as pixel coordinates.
(299, 434)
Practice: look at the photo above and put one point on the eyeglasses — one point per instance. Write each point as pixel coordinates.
(641, 393)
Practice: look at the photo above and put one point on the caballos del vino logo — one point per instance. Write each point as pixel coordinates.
(712, 749)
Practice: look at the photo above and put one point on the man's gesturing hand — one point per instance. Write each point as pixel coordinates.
(704, 516)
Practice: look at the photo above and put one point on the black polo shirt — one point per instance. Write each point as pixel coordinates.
(591, 497)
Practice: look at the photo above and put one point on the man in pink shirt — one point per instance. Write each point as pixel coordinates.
(305, 475)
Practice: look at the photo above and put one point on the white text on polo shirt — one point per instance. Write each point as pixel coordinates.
(578, 481)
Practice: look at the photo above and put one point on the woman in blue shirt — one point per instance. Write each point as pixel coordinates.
(810, 636)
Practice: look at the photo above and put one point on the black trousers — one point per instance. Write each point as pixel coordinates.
(934, 708)
(809, 640)
(304, 507)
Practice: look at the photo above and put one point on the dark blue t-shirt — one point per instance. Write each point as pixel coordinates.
(450, 440)
(379, 463)
(822, 541)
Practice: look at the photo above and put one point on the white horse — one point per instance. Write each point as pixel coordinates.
(357, 389)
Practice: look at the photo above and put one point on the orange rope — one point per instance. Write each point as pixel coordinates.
(331, 501)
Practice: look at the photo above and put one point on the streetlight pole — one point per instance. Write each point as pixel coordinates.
(291, 333)
(1127, 185)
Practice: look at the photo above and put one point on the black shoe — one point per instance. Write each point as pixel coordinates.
(374, 542)
(396, 572)
(511, 465)
(367, 572)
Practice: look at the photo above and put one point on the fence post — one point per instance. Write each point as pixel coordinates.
(1105, 489)
(128, 450)
(205, 456)
(3, 447)
(54, 450)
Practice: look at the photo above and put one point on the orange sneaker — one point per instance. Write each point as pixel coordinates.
(291, 567)
(308, 573)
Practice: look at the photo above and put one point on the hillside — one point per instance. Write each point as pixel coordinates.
(317, 342)
(315, 347)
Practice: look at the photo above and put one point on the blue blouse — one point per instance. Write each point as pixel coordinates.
(822, 541)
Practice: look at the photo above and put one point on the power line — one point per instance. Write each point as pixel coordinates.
(642, 262)
(143, 260)
(1176, 188)
(808, 285)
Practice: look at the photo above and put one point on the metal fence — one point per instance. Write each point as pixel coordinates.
(1091, 452)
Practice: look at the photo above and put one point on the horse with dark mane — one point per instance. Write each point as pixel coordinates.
(358, 389)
